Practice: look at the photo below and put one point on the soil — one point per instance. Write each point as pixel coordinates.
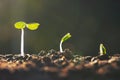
(54, 65)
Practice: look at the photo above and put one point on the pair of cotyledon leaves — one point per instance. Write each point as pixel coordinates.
(30, 26)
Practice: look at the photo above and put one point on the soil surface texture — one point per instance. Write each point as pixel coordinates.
(54, 65)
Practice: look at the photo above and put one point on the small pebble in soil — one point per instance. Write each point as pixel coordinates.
(68, 54)
(42, 53)
(104, 57)
(52, 51)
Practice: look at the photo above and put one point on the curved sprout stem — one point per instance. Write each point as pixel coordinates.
(61, 50)
(22, 42)
(63, 39)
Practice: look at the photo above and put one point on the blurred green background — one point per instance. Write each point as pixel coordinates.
(90, 23)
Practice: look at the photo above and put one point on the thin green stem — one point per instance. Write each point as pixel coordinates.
(61, 50)
(22, 42)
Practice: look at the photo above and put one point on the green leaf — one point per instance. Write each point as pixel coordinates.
(20, 25)
(102, 49)
(32, 26)
(66, 37)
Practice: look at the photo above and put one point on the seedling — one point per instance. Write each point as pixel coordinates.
(63, 39)
(102, 49)
(21, 25)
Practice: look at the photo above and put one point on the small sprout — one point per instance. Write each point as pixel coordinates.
(102, 49)
(21, 25)
(64, 38)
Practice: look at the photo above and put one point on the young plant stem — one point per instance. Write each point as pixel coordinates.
(61, 50)
(22, 42)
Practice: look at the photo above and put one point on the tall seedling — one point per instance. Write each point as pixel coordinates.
(21, 25)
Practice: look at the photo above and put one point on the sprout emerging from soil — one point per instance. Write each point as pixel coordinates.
(102, 49)
(64, 38)
(21, 25)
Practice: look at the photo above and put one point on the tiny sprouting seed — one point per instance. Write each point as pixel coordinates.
(21, 25)
(63, 39)
(102, 49)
